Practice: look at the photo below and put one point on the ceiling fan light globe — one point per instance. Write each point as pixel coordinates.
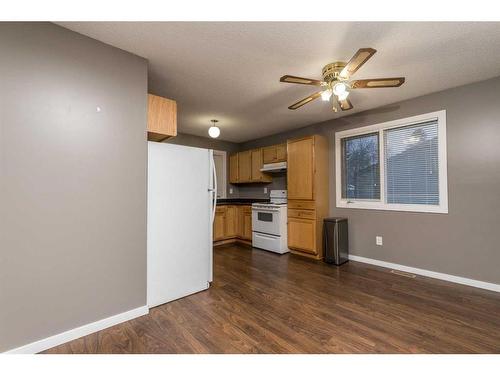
(214, 131)
(326, 95)
(339, 88)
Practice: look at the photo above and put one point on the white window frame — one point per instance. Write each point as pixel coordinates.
(381, 204)
(224, 172)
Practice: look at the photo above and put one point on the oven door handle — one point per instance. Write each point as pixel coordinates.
(271, 236)
(260, 209)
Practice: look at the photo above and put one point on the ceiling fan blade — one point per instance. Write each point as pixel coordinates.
(345, 104)
(377, 82)
(300, 80)
(357, 61)
(310, 98)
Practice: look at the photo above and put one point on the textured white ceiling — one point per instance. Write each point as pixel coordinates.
(230, 71)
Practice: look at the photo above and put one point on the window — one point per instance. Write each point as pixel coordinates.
(411, 164)
(361, 172)
(398, 165)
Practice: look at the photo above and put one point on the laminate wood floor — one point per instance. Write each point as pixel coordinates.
(262, 302)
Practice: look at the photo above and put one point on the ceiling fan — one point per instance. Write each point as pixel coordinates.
(337, 81)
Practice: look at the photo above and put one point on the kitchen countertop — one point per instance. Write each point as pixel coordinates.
(240, 201)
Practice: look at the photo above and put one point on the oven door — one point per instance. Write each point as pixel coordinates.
(266, 220)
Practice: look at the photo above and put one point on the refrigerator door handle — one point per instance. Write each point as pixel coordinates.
(214, 189)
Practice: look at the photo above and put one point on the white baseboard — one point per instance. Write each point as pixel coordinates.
(72, 334)
(435, 275)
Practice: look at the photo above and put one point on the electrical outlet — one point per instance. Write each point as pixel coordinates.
(230, 190)
(265, 190)
(378, 241)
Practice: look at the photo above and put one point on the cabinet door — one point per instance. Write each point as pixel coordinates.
(302, 235)
(245, 222)
(247, 226)
(300, 173)
(256, 164)
(219, 224)
(162, 118)
(257, 175)
(281, 152)
(269, 154)
(244, 166)
(239, 228)
(231, 221)
(233, 168)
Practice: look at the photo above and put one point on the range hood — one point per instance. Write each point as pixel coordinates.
(274, 167)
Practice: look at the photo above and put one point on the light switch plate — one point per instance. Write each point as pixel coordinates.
(265, 190)
(230, 190)
(379, 241)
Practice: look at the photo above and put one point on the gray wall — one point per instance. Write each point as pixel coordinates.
(464, 242)
(203, 142)
(72, 181)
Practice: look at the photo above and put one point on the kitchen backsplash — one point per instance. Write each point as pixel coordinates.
(257, 190)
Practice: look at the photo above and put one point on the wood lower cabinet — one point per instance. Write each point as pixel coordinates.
(307, 178)
(232, 223)
(302, 214)
(219, 224)
(302, 205)
(162, 118)
(302, 235)
(245, 222)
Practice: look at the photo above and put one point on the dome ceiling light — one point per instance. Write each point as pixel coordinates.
(214, 130)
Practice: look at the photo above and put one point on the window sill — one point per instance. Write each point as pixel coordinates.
(364, 205)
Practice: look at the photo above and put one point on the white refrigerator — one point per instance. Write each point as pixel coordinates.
(181, 208)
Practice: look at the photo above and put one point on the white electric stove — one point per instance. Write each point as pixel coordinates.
(269, 223)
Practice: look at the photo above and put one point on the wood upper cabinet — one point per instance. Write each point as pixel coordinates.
(300, 174)
(274, 154)
(257, 175)
(245, 166)
(256, 164)
(231, 221)
(269, 154)
(162, 118)
(233, 169)
(281, 154)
